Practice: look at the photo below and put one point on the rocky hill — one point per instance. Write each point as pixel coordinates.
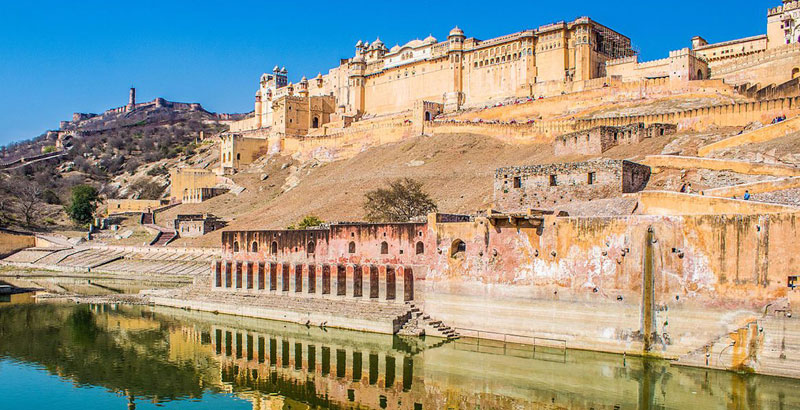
(96, 148)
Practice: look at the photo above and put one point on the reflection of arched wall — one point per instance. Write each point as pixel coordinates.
(376, 367)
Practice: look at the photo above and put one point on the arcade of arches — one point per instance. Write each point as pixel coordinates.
(368, 282)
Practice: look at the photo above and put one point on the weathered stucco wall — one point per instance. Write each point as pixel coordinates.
(11, 242)
(585, 280)
(117, 206)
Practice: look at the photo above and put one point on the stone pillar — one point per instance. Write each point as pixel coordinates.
(305, 284)
(382, 283)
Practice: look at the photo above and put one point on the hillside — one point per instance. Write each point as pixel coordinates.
(457, 171)
(136, 145)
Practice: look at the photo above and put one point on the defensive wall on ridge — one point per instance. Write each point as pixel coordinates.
(763, 134)
(741, 167)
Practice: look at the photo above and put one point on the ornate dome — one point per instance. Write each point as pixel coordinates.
(304, 79)
(276, 69)
(456, 32)
(429, 40)
(413, 43)
(359, 44)
(283, 70)
(395, 48)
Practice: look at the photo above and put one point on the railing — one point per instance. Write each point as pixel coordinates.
(534, 347)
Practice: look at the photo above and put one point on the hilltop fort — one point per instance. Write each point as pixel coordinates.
(586, 198)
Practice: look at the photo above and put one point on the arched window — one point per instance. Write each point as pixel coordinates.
(699, 74)
(351, 247)
(274, 248)
(236, 246)
(310, 247)
(384, 248)
(457, 248)
(420, 248)
(315, 122)
(254, 247)
(238, 156)
(427, 115)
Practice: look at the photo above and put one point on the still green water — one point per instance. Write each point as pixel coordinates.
(59, 356)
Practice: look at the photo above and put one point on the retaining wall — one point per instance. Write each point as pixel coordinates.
(741, 167)
(675, 203)
(763, 134)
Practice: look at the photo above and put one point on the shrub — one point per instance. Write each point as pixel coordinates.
(83, 204)
(401, 201)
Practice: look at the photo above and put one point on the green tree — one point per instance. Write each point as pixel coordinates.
(403, 200)
(310, 221)
(83, 204)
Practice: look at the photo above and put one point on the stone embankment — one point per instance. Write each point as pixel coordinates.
(371, 317)
(114, 260)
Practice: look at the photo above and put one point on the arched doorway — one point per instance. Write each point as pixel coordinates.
(457, 248)
(391, 283)
(373, 282)
(315, 122)
(699, 74)
(795, 72)
(408, 284)
(341, 280)
(427, 115)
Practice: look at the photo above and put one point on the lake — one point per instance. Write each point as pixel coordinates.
(68, 356)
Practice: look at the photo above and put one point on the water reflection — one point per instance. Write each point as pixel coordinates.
(162, 355)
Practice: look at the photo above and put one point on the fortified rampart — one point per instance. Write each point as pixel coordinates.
(771, 66)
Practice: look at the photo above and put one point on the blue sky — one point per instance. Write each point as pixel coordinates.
(61, 57)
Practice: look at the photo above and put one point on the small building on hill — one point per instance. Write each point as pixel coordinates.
(598, 140)
(195, 225)
(542, 186)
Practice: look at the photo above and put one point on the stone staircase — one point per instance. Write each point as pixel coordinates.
(421, 324)
(163, 238)
(148, 218)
